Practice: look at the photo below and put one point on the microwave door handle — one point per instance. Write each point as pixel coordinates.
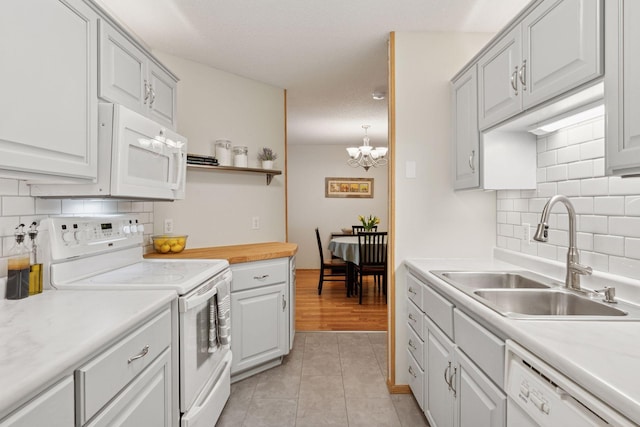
(179, 155)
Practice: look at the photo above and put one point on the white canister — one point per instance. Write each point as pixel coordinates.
(223, 152)
(240, 156)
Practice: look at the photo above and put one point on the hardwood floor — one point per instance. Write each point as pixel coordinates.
(333, 311)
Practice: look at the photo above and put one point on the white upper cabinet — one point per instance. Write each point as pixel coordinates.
(556, 47)
(499, 94)
(48, 101)
(128, 76)
(622, 87)
(464, 99)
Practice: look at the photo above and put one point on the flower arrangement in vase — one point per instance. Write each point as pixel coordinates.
(369, 222)
(267, 156)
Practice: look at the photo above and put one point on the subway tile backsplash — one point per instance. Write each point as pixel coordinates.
(18, 207)
(571, 162)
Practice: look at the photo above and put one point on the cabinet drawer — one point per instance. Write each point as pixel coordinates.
(100, 380)
(485, 349)
(414, 291)
(414, 319)
(416, 380)
(439, 310)
(415, 345)
(250, 275)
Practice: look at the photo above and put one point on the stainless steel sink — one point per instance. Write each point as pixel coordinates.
(494, 279)
(549, 302)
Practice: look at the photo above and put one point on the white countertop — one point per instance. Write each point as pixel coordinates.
(601, 356)
(44, 337)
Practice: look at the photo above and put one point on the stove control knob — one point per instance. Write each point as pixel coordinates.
(134, 228)
(140, 228)
(126, 229)
(80, 235)
(68, 236)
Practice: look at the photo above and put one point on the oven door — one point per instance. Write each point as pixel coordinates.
(198, 363)
(148, 160)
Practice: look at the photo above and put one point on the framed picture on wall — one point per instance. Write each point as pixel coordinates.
(348, 187)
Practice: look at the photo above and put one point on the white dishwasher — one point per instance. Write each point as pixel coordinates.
(539, 395)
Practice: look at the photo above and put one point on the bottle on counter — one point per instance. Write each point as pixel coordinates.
(35, 268)
(18, 267)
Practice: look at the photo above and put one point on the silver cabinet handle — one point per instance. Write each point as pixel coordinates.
(472, 157)
(153, 95)
(146, 91)
(523, 75)
(264, 276)
(412, 345)
(411, 291)
(140, 355)
(447, 377)
(284, 303)
(451, 378)
(412, 373)
(411, 317)
(514, 81)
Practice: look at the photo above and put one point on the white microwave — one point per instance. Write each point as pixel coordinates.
(137, 159)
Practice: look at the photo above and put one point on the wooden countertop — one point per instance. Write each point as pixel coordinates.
(236, 253)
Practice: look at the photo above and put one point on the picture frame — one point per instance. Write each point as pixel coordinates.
(361, 188)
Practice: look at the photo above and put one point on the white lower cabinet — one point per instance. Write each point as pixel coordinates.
(462, 365)
(129, 383)
(53, 407)
(260, 313)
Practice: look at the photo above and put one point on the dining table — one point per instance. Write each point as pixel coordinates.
(346, 248)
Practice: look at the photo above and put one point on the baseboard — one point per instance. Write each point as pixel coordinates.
(398, 388)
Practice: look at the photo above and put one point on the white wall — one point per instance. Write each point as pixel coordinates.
(219, 206)
(308, 166)
(431, 220)
(571, 162)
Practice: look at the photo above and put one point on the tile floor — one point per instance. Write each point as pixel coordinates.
(328, 379)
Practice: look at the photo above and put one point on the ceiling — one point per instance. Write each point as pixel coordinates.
(330, 55)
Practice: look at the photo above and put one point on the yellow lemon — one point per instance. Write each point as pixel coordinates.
(182, 241)
(165, 248)
(176, 248)
(172, 242)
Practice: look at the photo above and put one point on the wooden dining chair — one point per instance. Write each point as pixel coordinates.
(372, 249)
(337, 268)
(355, 229)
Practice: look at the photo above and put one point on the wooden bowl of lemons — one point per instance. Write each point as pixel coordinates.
(169, 243)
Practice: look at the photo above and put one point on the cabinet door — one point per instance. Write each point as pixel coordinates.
(622, 87)
(500, 94)
(54, 407)
(479, 403)
(465, 134)
(123, 71)
(146, 402)
(258, 326)
(48, 103)
(162, 98)
(440, 370)
(562, 47)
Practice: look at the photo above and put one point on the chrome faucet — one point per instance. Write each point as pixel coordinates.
(574, 268)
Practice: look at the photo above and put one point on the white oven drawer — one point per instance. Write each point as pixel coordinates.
(101, 379)
(256, 274)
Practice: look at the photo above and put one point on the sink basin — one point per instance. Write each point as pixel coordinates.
(549, 302)
(493, 279)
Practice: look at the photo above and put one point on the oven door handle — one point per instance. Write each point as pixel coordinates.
(187, 303)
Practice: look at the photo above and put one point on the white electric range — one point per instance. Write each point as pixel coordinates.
(83, 253)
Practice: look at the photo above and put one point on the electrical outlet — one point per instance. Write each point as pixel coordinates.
(255, 223)
(526, 233)
(168, 226)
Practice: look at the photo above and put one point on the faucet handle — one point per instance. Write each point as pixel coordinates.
(609, 294)
(579, 268)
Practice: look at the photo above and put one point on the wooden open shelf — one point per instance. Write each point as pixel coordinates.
(270, 173)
